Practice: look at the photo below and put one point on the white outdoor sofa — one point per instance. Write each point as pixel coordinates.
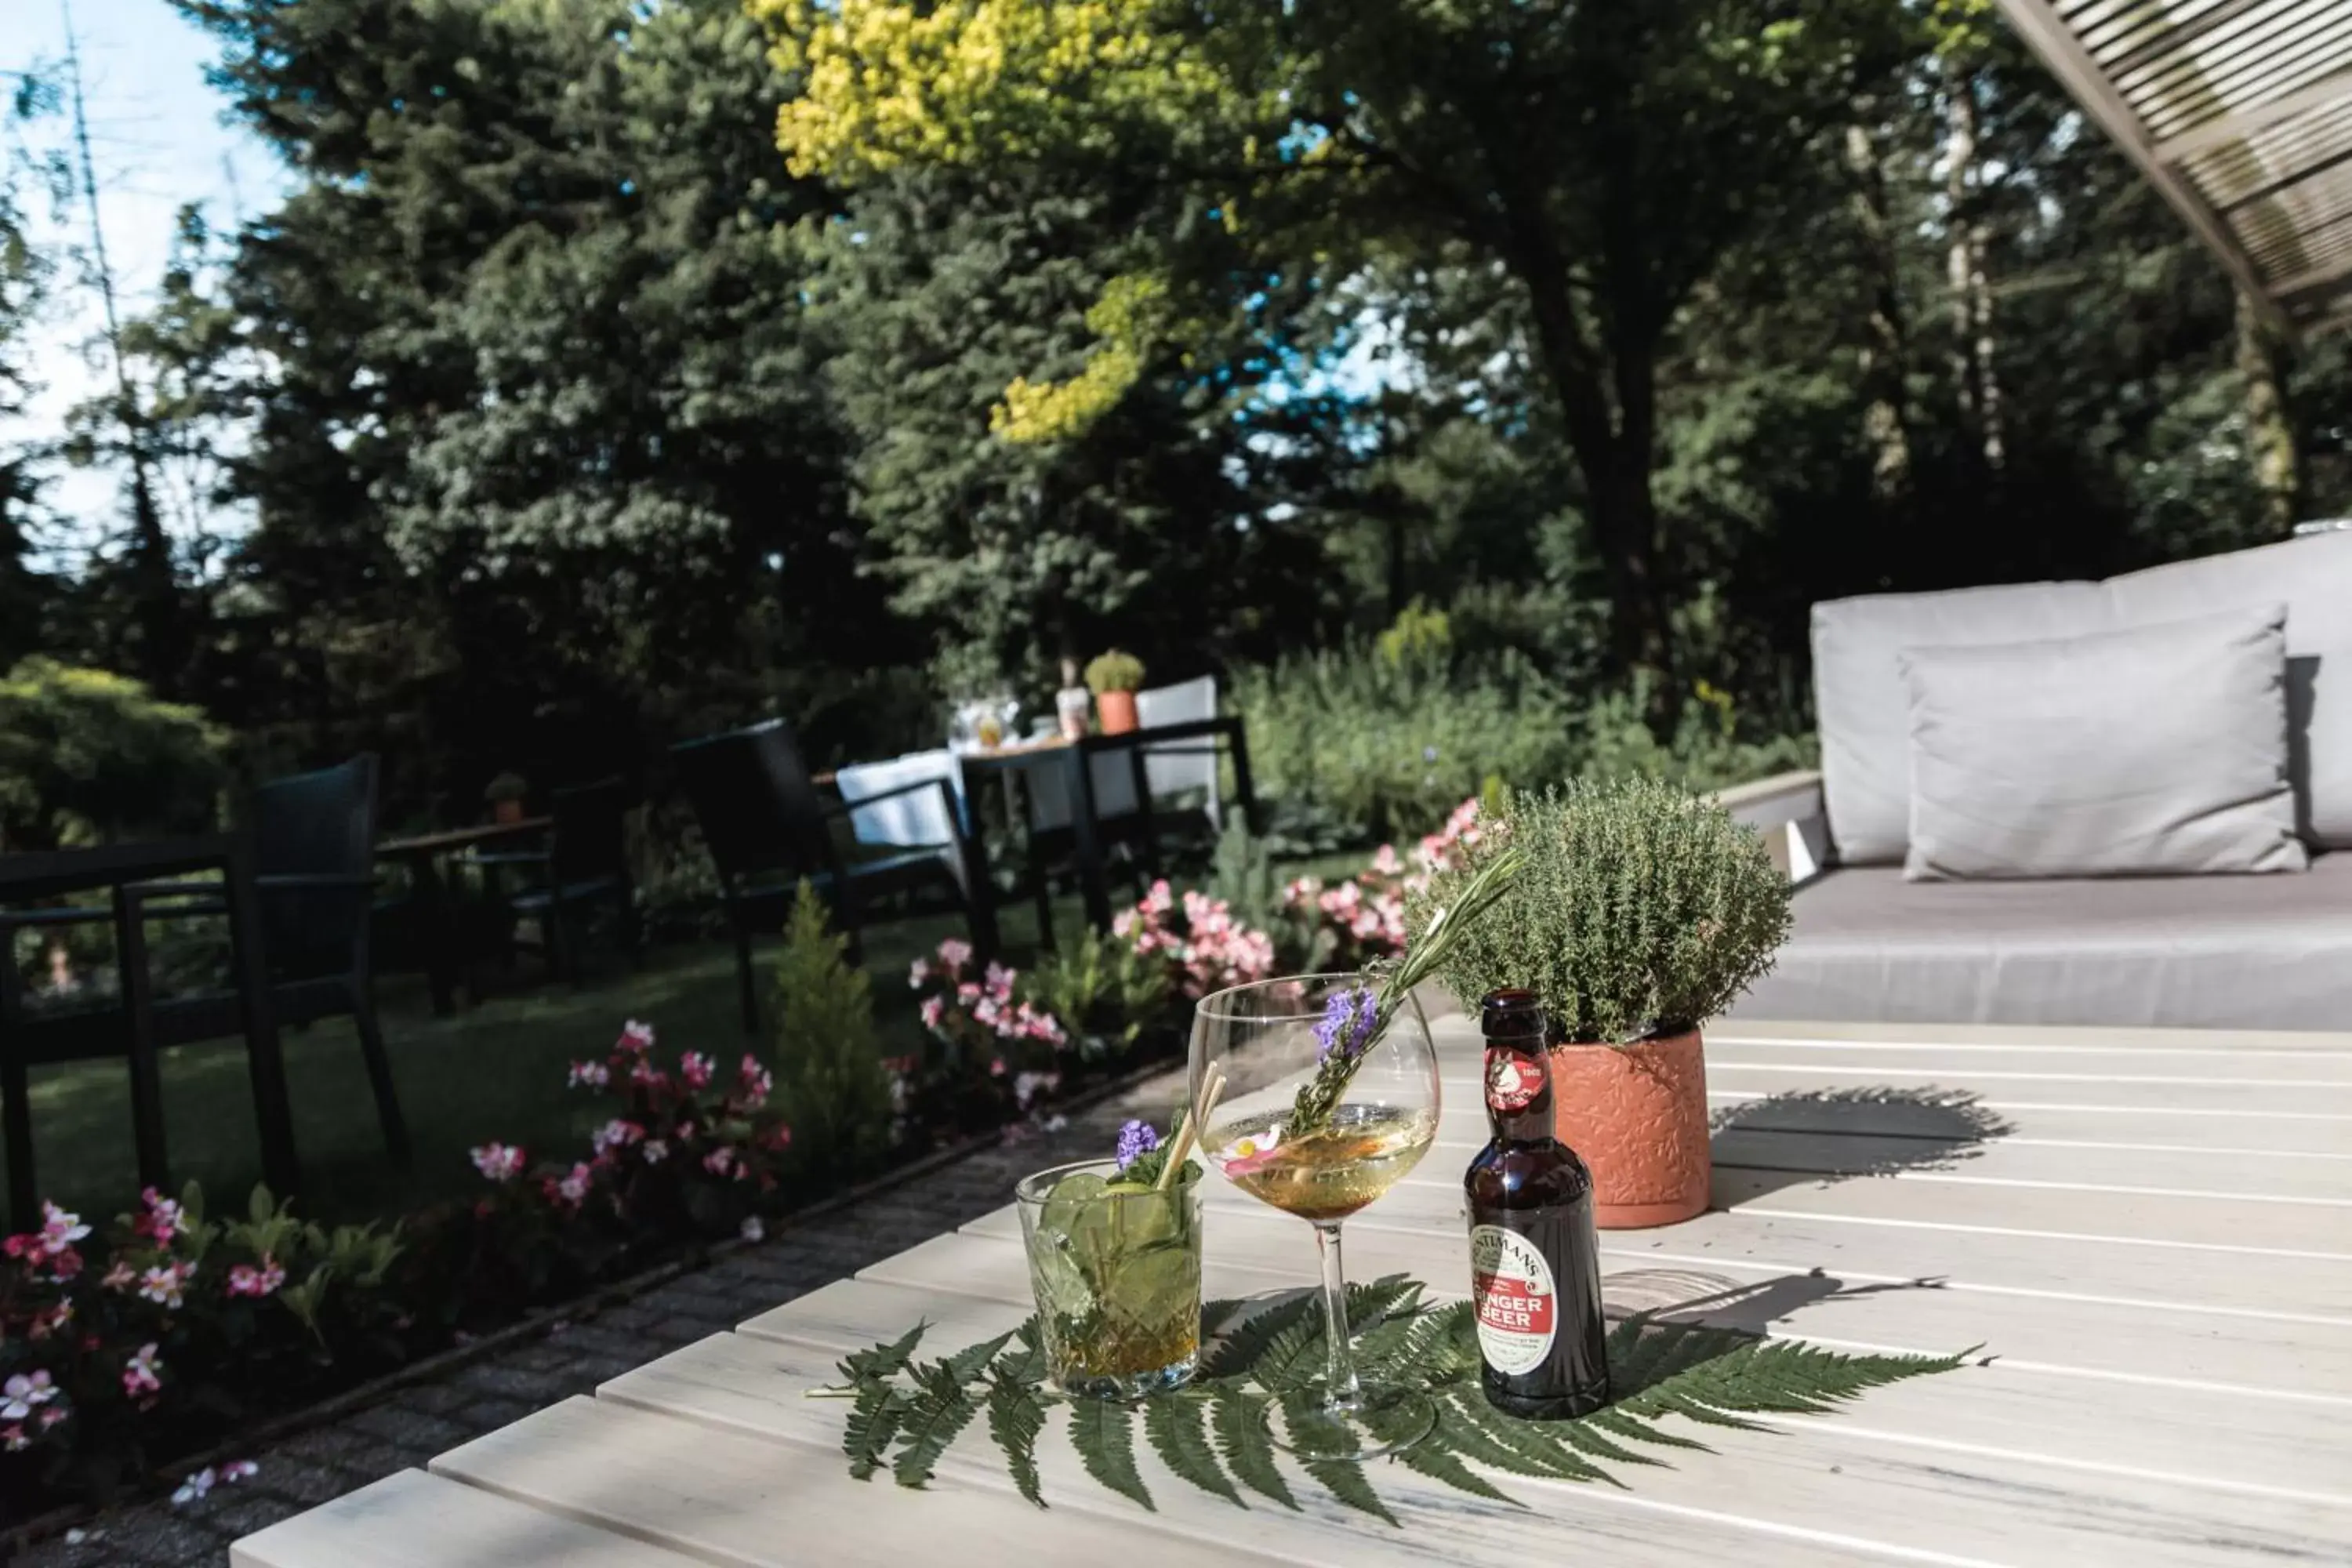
(2220, 950)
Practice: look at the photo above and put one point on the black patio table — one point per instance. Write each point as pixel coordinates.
(128, 871)
(1075, 758)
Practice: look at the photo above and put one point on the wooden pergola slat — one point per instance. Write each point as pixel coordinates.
(2236, 112)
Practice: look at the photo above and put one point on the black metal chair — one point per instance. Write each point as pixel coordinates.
(313, 848)
(584, 864)
(768, 829)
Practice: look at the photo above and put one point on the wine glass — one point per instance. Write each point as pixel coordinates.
(1258, 1046)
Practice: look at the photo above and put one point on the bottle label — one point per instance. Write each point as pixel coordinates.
(1512, 1080)
(1518, 1303)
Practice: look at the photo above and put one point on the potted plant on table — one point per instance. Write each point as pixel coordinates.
(1114, 678)
(1641, 912)
(505, 795)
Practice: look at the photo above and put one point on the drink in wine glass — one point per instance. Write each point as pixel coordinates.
(1320, 1093)
(1327, 1174)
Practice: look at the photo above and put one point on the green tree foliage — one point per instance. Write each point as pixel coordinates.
(832, 1089)
(23, 277)
(87, 756)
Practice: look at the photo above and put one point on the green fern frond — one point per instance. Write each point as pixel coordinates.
(1104, 1434)
(1237, 1422)
(1176, 1425)
(1213, 1435)
(873, 1423)
(1016, 1416)
(1345, 1480)
(942, 1409)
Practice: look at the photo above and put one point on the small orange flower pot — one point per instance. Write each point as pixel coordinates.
(1637, 1114)
(1117, 711)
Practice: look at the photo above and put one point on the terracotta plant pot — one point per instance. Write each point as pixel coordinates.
(505, 811)
(1638, 1115)
(1116, 710)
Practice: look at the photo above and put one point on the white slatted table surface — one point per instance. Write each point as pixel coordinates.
(2154, 1249)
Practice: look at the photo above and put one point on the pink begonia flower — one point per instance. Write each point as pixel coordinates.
(694, 1069)
(573, 1188)
(52, 1321)
(591, 1075)
(163, 1220)
(54, 1415)
(1385, 862)
(647, 1075)
(22, 1392)
(500, 1162)
(952, 956)
(14, 1439)
(916, 973)
(754, 1081)
(143, 1375)
(635, 1037)
(60, 1229)
(244, 1279)
(752, 1229)
(165, 1283)
(121, 1277)
(616, 1133)
(656, 1151)
(999, 981)
(719, 1161)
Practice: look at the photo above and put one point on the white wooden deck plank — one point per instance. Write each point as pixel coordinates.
(1751, 1030)
(2213, 1063)
(412, 1519)
(2235, 1098)
(1808, 1480)
(2154, 1429)
(754, 1504)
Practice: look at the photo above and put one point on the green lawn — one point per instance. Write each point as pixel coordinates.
(495, 1071)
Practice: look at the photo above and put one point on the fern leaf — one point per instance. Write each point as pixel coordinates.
(1345, 1480)
(940, 1410)
(1239, 1351)
(873, 1422)
(965, 1363)
(880, 1360)
(1614, 1419)
(1104, 1434)
(1238, 1424)
(1433, 1454)
(1501, 1442)
(1391, 1295)
(1015, 1417)
(1176, 1425)
(1292, 1356)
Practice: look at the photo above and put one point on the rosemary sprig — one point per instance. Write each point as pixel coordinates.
(1311, 1108)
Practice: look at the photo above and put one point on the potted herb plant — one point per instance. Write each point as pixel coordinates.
(505, 795)
(1114, 678)
(1641, 912)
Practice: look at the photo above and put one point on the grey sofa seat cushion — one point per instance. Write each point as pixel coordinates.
(1863, 714)
(2153, 749)
(2247, 952)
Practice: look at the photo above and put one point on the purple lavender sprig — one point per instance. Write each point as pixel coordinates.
(1136, 1139)
(1350, 1016)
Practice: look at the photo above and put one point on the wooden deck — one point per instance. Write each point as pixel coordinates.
(2150, 1235)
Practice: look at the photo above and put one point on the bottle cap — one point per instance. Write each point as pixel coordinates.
(1512, 1013)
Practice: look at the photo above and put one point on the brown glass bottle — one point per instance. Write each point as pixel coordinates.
(1535, 1261)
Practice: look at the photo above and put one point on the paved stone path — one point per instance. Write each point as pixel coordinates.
(415, 1423)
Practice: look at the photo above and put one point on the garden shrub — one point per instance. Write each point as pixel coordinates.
(1387, 738)
(87, 755)
(833, 1088)
(1103, 993)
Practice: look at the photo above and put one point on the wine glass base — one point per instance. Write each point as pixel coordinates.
(1383, 1419)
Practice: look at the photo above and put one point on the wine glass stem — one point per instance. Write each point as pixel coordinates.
(1341, 1391)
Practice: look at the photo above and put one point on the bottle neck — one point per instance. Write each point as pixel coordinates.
(1518, 1090)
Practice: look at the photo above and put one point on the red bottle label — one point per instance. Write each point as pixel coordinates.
(1518, 1302)
(1512, 1080)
